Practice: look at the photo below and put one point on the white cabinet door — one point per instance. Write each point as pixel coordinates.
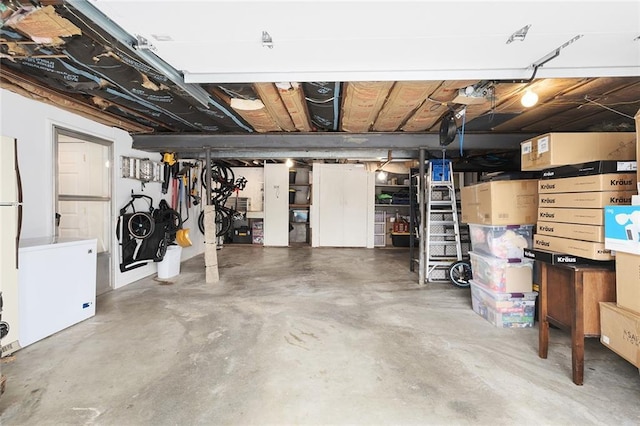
(330, 206)
(276, 205)
(355, 210)
(343, 206)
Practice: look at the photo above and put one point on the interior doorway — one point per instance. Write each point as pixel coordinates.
(83, 195)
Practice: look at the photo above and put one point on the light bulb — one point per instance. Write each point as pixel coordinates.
(289, 162)
(529, 99)
(382, 175)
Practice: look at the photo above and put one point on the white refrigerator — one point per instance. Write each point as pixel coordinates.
(10, 222)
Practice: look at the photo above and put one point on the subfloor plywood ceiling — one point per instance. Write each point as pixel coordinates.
(333, 78)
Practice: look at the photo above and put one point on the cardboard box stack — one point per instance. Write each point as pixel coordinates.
(501, 216)
(581, 173)
(571, 206)
(620, 321)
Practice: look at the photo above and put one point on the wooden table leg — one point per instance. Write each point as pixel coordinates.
(577, 330)
(543, 325)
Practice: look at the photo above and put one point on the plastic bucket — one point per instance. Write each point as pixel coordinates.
(169, 266)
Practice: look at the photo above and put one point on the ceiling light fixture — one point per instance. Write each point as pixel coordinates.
(529, 99)
(289, 162)
(381, 175)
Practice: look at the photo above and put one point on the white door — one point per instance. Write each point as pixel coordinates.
(330, 206)
(276, 205)
(343, 205)
(84, 196)
(355, 210)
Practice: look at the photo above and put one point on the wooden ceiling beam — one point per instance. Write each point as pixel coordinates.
(293, 99)
(437, 103)
(362, 103)
(272, 101)
(404, 99)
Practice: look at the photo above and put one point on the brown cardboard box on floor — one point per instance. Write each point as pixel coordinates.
(620, 331)
(506, 202)
(628, 281)
(638, 140)
(559, 149)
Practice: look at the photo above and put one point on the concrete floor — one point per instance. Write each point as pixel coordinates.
(306, 336)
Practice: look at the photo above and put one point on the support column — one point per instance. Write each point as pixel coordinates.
(212, 274)
(421, 202)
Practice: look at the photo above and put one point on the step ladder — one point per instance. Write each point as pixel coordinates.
(442, 230)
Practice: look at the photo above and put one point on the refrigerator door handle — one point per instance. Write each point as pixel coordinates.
(19, 183)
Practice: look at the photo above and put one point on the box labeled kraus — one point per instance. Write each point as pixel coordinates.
(508, 202)
(562, 258)
(559, 149)
(628, 281)
(586, 249)
(572, 230)
(622, 228)
(590, 168)
(566, 215)
(586, 200)
(620, 331)
(608, 182)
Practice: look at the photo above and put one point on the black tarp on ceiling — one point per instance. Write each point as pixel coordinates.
(107, 71)
(323, 102)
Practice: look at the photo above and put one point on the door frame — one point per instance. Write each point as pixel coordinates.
(62, 131)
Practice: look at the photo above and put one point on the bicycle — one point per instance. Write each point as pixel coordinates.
(460, 273)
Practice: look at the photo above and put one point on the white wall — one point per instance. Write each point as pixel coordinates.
(31, 123)
(255, 185)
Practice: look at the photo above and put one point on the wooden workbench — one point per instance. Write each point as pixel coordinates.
(569, 299)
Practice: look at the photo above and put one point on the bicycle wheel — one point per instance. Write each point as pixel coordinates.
(223, 222)
(201, 222)
(460, 273)
(221, 175)
(141, 225)
(162, 249)
(171, 220)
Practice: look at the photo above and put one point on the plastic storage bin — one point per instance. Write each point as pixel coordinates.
(505, 310)
(300, 216)
(502, 275)
(401, 239)
(504, 242)
(169, 266)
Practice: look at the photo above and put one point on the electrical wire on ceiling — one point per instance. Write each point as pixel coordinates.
(586, 98)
